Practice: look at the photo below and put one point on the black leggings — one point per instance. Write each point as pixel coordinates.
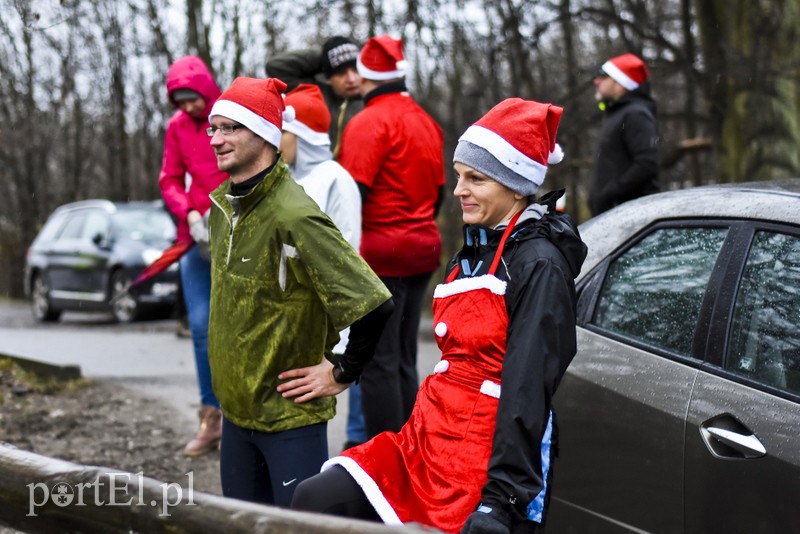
(334, 492)
(389, 383)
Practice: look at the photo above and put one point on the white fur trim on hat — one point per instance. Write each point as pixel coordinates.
(618, 76)
(505, 153)
(370, 74)
(307, 134)
(256, 123)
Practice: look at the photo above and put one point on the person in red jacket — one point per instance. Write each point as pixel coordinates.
(189, 173)
(394, 151)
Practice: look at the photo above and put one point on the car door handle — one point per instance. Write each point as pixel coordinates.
(750, 446)
(736, 440)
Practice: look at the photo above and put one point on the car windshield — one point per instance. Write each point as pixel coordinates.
(143, 224)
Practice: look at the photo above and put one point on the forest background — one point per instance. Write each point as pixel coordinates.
(83, 105)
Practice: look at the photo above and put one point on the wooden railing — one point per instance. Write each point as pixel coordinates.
(41, 494)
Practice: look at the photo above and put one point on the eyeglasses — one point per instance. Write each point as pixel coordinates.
(226, 129)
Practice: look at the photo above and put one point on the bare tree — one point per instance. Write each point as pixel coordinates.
(572, 135)
(160, 45)
(84, 108)
(117, 162)
(197, 32)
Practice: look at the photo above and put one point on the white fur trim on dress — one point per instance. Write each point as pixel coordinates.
(491, 388)
(462, 285)
(370, 488)
(369, 74)
(307, 134)
(506, 153)
(253, 121)
(618, 76)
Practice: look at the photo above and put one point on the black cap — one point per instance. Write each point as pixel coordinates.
(338, 53)
(185, 94)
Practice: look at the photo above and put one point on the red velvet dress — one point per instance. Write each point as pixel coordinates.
(432, 471)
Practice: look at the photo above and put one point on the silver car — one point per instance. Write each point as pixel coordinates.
(681, 410)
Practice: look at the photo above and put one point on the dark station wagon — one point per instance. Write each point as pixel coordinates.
(87, 254)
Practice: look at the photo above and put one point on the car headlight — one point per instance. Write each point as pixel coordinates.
(161, 289)
(150, 255)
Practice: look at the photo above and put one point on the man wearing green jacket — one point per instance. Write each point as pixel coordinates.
(284, 283)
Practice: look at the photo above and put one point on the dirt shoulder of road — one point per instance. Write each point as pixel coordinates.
(94, 423)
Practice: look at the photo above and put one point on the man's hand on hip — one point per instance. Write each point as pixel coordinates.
(310, 382)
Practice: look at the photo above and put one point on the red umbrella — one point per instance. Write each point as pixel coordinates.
(167, 258)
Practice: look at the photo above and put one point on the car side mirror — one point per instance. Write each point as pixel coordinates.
(587, 292)
(100, 240)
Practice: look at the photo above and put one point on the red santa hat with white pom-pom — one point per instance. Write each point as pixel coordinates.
(382, 58)
(513, 144)
(256, 104)
(312, 118)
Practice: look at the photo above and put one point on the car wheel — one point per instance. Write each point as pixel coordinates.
(41, 306)
(124, 306)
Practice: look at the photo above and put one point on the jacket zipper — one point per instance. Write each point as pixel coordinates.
(230, 236)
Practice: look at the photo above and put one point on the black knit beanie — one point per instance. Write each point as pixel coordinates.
(338, 53)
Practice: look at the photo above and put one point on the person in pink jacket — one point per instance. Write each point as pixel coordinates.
(189, 173)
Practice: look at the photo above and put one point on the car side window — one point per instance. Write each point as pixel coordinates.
(73, 228)
(653, 292)
(51, 228)
(97, 223)
(765, 335)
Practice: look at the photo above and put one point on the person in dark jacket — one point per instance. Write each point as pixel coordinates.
(333, 70)
(284, 284)
(626, 160)
(477, 453)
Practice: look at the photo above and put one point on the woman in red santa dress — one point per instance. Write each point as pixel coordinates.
(476, 454)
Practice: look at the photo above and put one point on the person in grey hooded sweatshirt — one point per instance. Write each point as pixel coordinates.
(306, 148)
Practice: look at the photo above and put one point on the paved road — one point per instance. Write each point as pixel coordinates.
(146, 356)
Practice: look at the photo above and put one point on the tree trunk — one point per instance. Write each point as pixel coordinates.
(197, 37)
(573, 141)
(751, 57)
(118, 164)
(691, 108)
